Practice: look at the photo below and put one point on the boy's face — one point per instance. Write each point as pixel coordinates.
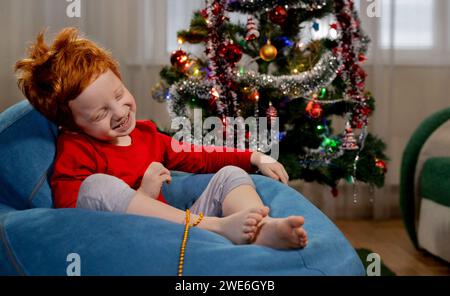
(105, 109)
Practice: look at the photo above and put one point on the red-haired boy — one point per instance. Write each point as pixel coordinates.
(108, 160)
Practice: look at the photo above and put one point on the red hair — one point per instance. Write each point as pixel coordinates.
(50, 77)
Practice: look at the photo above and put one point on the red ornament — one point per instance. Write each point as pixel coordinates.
(204, 13)
(278, 15)
(179, 59)
(254, 96)
(314, 109)
(361, 73)
(362, 58)
(361, 85)
(338, 50)
(381, 165)
(217, 8)
(366, 111)
(358, 123)
(232, 53)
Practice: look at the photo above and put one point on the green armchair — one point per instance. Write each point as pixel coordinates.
(432, 230)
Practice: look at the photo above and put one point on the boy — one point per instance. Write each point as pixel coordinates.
(108, 160)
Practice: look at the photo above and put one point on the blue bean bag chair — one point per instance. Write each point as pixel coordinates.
(37, 239)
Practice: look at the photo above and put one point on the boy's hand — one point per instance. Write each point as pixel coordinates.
(153, 179)
(269, 167)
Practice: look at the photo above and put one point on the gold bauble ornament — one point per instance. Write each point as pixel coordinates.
(268, 52)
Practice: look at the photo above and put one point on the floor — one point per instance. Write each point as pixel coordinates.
(389, 239)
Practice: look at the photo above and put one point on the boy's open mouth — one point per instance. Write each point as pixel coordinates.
(123, 123)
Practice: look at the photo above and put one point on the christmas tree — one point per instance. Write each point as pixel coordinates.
(275, 63)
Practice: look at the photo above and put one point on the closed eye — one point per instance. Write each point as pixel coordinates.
(119, 94)
(101, 115)
(119, 97)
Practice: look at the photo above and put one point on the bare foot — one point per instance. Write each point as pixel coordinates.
(282, 233)
(241, 227)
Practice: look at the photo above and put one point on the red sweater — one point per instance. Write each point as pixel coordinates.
(78, 156)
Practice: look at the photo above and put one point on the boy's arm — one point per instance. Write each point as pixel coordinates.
(74, 162)
(188, 160)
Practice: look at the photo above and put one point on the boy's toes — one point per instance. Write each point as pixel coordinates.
(248, 229)
(258, 210)
(302, 237)
(296, 221)
(301, 233)
(303, 242)
(248, 236)
(253, 219)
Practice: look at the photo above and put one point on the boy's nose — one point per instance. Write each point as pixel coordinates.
(119, 114)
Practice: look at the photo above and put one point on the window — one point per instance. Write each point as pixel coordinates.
(179, 15)
(413, 24)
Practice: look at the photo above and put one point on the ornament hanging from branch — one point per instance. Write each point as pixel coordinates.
(313, 109)
(179, 59)
(349, 140)
(278, 15)
(271, 113)
(268, 52)
(316, 26)
(252, 29)
(230, 52)
(381, 165)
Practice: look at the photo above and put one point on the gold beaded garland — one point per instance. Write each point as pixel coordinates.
(185, 236)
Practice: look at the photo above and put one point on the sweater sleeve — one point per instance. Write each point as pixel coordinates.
(74, 162)
(197, 159)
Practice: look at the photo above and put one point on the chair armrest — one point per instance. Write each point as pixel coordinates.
(408, 168)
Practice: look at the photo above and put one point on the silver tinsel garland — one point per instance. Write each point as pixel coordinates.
(252, 6)
(300, 85)
(295, 86)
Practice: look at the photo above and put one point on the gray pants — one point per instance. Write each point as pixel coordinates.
(108, 193)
